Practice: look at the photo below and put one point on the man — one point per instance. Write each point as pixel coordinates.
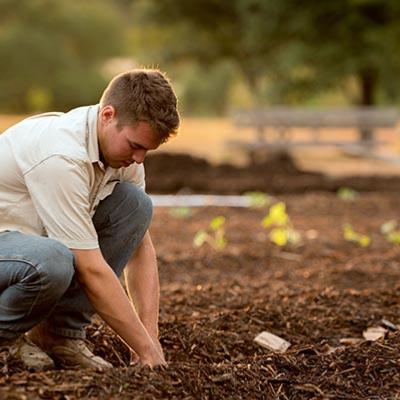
(73, 215)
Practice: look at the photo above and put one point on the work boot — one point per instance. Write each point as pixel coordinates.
(31, 356)
(74, 353)
(67, 352)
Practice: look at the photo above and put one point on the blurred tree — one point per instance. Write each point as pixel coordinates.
(346, 39)
(209, 31)
(205, 91)
(287, 50)
(51, 52)
(350, 38)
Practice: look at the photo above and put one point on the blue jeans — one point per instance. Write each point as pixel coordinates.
(37, 280)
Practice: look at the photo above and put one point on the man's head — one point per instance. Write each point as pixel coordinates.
(138, 112)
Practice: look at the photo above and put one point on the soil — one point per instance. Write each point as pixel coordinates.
(171, 173)
(213, 304)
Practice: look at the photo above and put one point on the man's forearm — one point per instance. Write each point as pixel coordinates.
(110, 301)
(141, 277)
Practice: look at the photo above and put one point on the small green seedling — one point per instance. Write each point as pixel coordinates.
(180, 212)
(351, 236)
(282, 232)
(214, 235)
(347, 194)
(258, 199)
(389, 230)
(388, 226)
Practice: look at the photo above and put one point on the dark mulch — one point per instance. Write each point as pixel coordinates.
(170, 173)
(215, 303)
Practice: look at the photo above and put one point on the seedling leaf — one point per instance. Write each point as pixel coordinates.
(216, 223)
(351, 236)
(279, 236)
(220, 243)
(293, 236)
(214, 235)
(200, 238)
(348, 194)
(276, 216)
(388, 226)
(180, 212)
(393, 237)
(258, 199)
(364, 241)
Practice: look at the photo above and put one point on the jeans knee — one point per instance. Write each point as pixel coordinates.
(145, 208)
(56, 266)
(138, 204)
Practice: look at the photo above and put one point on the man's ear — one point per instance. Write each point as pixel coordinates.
(107, 114)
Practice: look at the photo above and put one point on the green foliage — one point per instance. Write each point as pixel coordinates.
(282, 231)
(389, 230)
(246, 33)
(38, 99)
(285, 235)
(214, 235)
(258, 199)
(347, 194)
(52, 51)
(180, 212)
(277, 216)
(217, 223)
(393, 237)
(285, 50)
(351, 236)
(205, 90)
(200, 238)
(388, 226)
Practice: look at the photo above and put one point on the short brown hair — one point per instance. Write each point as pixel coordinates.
(144, 95)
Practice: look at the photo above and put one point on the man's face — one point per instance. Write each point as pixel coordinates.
(122, 146)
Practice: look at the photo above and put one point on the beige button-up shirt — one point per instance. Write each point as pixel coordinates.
(52, 179)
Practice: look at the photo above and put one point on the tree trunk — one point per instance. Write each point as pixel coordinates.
(253, 81)
(367, 80)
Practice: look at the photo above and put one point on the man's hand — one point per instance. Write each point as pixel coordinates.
(153, 357)
(108, 298)
(141, 277)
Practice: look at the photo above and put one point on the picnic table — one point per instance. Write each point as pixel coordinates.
(273, 127)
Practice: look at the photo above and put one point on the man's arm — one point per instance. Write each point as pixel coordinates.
(141, 277)
(108, 298)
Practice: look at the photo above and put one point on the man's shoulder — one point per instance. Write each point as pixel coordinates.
(44, 135)
(73, 121)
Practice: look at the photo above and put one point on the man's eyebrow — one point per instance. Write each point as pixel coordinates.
(136, 144)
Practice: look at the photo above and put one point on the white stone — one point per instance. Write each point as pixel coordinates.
(272, 342)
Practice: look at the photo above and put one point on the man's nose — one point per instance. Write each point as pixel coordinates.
(138, 156)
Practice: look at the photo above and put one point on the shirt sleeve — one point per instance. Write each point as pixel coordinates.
(59, 188)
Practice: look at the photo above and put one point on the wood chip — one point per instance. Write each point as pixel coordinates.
(272, 342)
(374, 333)
(390, 325)
(350, 340)
(327, 349)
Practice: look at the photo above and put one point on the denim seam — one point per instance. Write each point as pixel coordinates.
(37, 269)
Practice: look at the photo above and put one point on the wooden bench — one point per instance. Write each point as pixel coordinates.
(273, 127)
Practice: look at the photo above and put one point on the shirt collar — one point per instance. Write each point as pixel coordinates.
(92, 140)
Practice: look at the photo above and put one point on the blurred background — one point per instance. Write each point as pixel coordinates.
(222, 55)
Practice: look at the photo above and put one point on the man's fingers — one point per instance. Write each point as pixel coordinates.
(134, 358)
